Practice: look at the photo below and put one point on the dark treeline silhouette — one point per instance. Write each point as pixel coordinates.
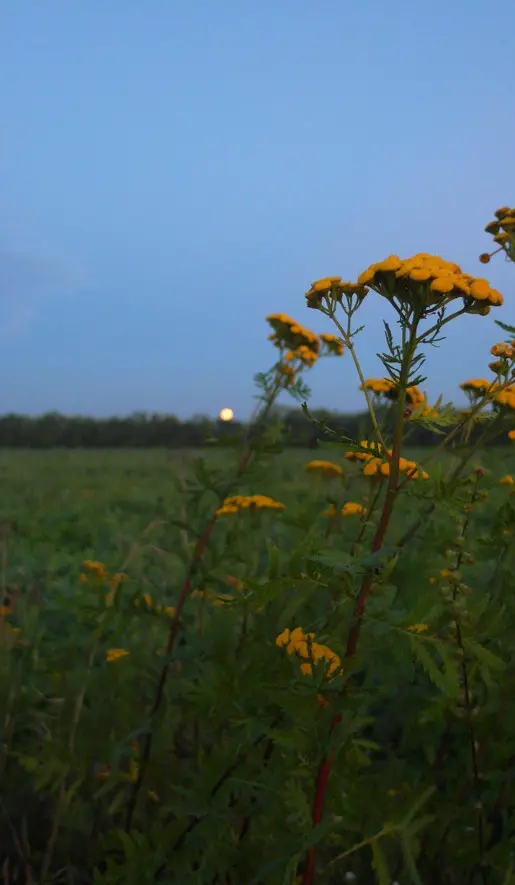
(142, 430)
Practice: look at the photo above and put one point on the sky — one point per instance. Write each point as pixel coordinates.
(173, 171)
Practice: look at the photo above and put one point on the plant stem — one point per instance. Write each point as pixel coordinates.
(366, 586)
(347, 339)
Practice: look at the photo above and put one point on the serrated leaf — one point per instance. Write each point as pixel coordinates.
(483, 654)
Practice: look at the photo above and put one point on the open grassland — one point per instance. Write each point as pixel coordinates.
(107, 766)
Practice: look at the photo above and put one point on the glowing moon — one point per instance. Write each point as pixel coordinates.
(226, 415)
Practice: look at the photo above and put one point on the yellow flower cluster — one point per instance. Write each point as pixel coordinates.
(428, 280)
(350, 508)
(93, 571)
(378, 465)
(334, 345)
(478, 387)
(97, 573)
(373, 447)
(379, 386)
(503, 231)
(506, 397)
(327, 468)
(387, 388)
(333, 287)
(289, 333)
(116, 654)
(506, 353)
(296, 642)
(380, 468)
(248, 502)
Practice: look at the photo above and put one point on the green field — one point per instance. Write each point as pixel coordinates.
(74, 723)
(58, 506)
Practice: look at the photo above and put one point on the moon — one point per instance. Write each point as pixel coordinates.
(226, 415)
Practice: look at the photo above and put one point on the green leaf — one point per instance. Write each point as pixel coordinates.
(483, 655)
(505, 327)
(380, 865)
(409, 859)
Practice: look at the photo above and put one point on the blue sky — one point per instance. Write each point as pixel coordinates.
(174, 171)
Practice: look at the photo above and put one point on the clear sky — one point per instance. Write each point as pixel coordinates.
(174, 170)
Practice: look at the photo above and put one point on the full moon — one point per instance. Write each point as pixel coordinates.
(226, 415)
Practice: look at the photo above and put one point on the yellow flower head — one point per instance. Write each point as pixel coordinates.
(502, 350)
(95, 570)
(248, 502)
(373, 447)
(115, 654)
(379, 386)
(333, 344)
(350, 508)
(380, 469)
(333, 287)
(418, 628)
(507, 480)
(511, 435)
(478, 387)
(296, 642)
(327, 468)
(428, 281)
(289, 333)
(506, 398)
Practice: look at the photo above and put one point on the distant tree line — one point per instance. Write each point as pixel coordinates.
(142, 430)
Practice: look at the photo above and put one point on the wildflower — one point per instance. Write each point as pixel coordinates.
(507, 480)
(289, 333)
(511, 434)
(478, 387)
(373, 448)
(352, 509)
(379, 386)
(96, 570)
(333, 344)
(378, 467)
(429, 281)
(248, 502)
(333, 287)
(302, 644)
(506, 397)
(327, 468)
(115, 654)
(418, 628)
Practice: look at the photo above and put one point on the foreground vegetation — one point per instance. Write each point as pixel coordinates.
(258, 667)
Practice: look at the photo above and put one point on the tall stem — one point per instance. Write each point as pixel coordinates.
(366, 586)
